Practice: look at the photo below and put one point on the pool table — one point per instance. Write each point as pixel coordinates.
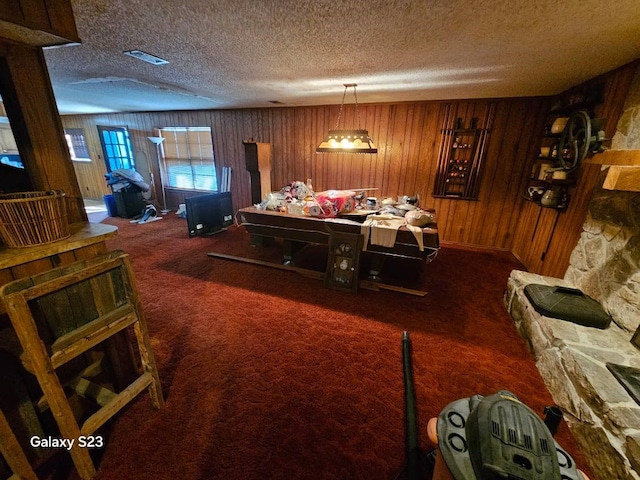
(296, 231)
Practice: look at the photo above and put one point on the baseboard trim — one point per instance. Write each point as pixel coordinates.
(472, 247)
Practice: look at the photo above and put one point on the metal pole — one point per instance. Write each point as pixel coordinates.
(161, 166)
(164, 198)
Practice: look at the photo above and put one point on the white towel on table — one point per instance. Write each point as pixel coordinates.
(382, 229)
(417, 232)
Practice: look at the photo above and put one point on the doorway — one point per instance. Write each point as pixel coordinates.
(116, 147)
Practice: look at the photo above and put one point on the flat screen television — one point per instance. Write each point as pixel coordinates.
(209, 214)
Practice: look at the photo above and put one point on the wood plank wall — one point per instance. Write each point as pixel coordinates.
(408, 138)
(546, 238)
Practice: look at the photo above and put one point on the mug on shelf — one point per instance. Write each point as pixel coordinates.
(535, 193)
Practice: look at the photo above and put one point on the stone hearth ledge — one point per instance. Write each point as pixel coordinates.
(602, 416)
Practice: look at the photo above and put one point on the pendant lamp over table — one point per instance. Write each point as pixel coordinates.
(347, 140)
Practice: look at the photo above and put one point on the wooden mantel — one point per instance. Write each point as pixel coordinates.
(625, 158)
(624, 169)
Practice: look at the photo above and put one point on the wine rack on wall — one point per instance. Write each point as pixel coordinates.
(462, 151)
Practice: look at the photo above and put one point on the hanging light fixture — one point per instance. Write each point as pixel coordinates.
(347, 141)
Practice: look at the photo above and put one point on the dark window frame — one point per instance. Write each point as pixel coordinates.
(77, 143)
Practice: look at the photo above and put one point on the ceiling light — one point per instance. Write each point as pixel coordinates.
(347, 141)
(146, 57)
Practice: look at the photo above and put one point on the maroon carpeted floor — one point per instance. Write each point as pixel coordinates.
(267, 374)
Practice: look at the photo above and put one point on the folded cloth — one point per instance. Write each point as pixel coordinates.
(365, 230)
(417, 232)
(382, 229)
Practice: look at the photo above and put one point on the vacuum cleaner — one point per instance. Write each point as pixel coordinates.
(496, 437)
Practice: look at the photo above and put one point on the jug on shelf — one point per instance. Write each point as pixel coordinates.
(551, 198)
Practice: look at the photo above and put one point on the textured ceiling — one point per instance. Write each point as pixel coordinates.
(251, 53)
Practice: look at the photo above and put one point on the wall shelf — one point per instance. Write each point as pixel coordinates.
(462, 152)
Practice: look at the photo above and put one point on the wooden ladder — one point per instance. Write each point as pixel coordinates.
(100, 296)
(13, 453)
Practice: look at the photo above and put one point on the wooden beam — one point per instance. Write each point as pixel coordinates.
(91, 334)
(305, 272)
(36, 125)
(627, 158)
(88, 389)
(92, 370)
(38, 23)
(98, 419)
(622, 178)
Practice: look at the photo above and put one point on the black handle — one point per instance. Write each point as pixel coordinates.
(412, 442)
(570, 291)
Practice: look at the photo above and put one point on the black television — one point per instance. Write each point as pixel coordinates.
(209, 214)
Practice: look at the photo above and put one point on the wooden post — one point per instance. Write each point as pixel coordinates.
(31, 108)
(258, 162)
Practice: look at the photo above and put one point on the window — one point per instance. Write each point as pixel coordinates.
(188, 158)
(116, 147)
(77, 143)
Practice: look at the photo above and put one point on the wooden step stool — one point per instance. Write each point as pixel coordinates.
(62, 314)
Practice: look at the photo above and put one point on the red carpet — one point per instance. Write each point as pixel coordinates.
(267, 374)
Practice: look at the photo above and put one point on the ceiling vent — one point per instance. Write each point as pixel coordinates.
(147, 57)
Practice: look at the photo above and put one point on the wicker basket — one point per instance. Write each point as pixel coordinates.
(33, 218)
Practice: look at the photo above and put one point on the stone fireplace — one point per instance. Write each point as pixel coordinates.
(605, 264)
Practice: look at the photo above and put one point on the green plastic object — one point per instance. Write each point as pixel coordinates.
(500, 438)
(629, 378)
(569, 304)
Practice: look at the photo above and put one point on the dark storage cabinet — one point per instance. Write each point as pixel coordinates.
(129, 204)
(258, 163)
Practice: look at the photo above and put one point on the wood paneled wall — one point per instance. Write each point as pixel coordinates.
(92, 183)
(546, 238)
(408, 138)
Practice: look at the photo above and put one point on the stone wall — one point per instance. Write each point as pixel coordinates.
(627, 135)
(606, 262)
(603, 418)
(572, 359)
